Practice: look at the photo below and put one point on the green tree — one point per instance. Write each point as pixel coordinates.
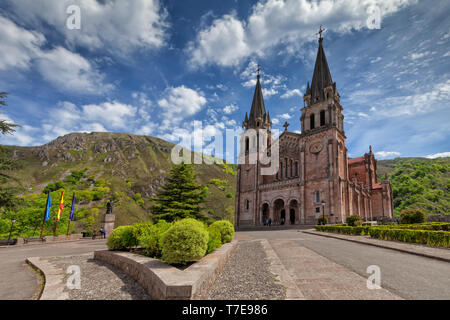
(8, 199)
(180, 197)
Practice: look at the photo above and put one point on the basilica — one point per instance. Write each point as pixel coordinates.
(315, 177)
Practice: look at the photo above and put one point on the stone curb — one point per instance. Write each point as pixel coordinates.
(49, 240)
(53, 279)
(444, 256)
(293, 292)
(164, 282)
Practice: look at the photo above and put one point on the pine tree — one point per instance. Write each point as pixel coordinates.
(180, 197)
(7, 194)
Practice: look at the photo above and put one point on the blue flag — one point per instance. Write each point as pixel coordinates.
(73, 207)
(47, 210)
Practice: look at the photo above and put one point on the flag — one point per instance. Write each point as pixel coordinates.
(73, 208)
(47, 209)
(61, 206)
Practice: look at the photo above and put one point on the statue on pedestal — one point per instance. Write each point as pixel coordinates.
(109, 207)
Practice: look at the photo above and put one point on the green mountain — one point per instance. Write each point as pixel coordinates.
(101, 166)
(129, 170)
(419, 183)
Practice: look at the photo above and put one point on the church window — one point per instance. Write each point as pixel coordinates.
(292, 170)
(322, 118)
(257, 124)
(311, 122)
(281, 170)
(247, 204)
(287, 172)
(317, 210)
(247, 143)
(296, 168)
(317, 196)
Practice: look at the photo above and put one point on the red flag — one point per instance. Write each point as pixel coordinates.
(61, 206)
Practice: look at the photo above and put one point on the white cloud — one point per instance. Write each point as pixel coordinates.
(275, 121)
(115, 25)
(387, 154)
(291, 93)
(112, 114)
(71, 72)
(179, 103)
(65, 70)
(230, 109)
(285, 116)
(228, 41)
(18, 46)
(438, 155)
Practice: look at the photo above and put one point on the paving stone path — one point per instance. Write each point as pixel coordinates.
(99, 281)
(247, 276)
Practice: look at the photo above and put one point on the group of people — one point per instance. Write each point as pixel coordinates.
(101, 233)
(268, 222)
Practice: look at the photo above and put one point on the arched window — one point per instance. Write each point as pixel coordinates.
(287, 172)
(292, 170)
(318, 196)
(311, 121)
(247, 144)
(322, 118)
(281, 170)
(296, 168)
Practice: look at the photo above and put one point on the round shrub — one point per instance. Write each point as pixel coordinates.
(215, 239)
(185, 241)
(322, 221)
(411, 216)
(353, 221)
(150, 239)
(122, 238)
(226, 230)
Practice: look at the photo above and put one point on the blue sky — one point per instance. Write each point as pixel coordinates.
(156, 68)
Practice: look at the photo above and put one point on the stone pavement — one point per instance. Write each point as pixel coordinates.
(417, 249)
(330, 268)
(319, 278)
(18, 281)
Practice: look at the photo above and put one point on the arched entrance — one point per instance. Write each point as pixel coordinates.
(278, 208)
(283, 217)
(293, 207)
(265, 213)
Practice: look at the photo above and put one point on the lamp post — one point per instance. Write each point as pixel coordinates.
(10, 231)
(323, 212)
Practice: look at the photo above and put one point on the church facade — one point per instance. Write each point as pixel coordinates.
(315, 177)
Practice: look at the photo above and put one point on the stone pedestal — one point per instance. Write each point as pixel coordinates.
(107, 223)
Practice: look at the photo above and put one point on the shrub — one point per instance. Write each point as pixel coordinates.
(226, 230)
(428, 237)
(353, 221)
(411, 216)
(185, 241)
(322, 220)
(356, 231)
(150, 238)
(123, 238)
(215, 239)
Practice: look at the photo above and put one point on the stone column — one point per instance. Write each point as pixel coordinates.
(107, 223)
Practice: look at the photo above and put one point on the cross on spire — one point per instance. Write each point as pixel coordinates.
(286, 125)
(320, 32)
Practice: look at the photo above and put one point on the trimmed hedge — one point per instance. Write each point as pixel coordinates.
(353, 220)
(356, 231)
(215, 239)
(410, 216)
(184, 242)
(123, 238)
(226, 230)
(436, 226)
(428, 237)
(322, 220)
(150, 238)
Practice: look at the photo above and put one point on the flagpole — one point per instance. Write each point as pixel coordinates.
(59, 213)
(71, 212)
(43, 220)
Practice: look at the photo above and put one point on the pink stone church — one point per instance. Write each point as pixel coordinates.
(315, 175)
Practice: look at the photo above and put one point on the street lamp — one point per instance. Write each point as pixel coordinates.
(10, 231)
(323, 212)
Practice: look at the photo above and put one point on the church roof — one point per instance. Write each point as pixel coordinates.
(355, 160)
(322, 76)
(258, 109)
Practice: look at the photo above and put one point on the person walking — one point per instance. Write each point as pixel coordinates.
(104, 233)
(270, 222)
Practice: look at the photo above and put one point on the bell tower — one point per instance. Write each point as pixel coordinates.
(322, 101)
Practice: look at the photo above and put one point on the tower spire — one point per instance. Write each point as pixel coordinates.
(322, 76)
(258, 110)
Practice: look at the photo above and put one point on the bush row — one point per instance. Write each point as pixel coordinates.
(428, 237)
(436, 226)
(359, 231)
(180, 242)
